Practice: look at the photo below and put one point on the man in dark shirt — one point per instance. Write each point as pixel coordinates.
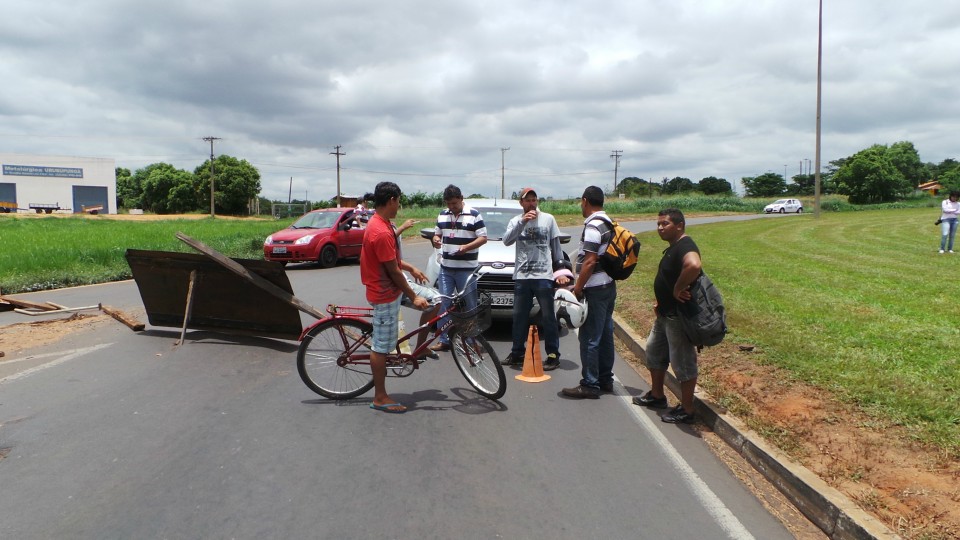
(667, 345)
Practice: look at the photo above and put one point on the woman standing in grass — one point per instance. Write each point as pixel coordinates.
(948, 220)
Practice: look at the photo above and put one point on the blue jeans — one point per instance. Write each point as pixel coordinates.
(450, 281)
(948, 229)
(523, 292)
(596, 336)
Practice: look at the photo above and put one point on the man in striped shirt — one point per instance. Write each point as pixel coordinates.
(458, 235)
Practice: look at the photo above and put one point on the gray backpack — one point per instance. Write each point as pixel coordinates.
(708, 324)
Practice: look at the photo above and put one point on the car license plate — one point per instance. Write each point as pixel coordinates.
(501, 299)
(279, 250)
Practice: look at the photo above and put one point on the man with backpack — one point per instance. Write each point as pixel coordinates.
(600, 292)
(667, 344)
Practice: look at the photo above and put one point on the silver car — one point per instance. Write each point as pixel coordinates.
(497, 261)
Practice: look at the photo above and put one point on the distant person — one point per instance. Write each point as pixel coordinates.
(600, 292)
(458, 235)
(950, 209)
(537, 238)
(381, 272)
(667, 345)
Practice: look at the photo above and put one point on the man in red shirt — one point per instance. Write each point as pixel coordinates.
(381, 271)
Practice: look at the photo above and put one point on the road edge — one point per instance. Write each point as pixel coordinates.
(826, 507)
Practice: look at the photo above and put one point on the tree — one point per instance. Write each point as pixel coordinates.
(712, 185)
(765, 185)
(167, 190)
(128, 191)
(803, 184)
(904, 157)
(869, 176)
(236, 183)
(678, 185)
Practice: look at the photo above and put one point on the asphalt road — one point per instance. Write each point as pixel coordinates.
(116, 434)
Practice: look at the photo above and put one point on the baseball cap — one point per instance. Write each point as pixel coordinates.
(526, 191)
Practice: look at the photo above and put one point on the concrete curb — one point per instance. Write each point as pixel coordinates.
(833, 512)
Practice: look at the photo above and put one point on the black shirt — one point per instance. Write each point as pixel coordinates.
(669, 272)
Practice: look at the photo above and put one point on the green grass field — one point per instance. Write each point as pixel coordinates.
(858, 303)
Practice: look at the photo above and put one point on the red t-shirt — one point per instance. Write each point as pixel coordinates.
(379, 246)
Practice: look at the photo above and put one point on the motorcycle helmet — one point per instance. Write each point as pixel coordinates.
(569, 310)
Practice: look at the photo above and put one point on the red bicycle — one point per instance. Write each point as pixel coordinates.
(334, 354)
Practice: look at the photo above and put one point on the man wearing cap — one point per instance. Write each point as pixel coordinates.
(538, 252)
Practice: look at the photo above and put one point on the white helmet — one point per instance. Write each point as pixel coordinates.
(569, 309)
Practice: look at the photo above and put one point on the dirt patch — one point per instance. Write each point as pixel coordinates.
(913, 489)
(19, 337)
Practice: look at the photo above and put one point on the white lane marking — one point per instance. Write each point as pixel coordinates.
(67, 356)
(714, 506)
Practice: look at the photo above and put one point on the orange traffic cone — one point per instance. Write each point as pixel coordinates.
(532, 359)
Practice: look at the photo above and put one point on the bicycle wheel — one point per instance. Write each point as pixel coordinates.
(479, 365)
(320, 350)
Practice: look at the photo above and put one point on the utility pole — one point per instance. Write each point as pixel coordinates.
(816, 178)
(338, 153)
(290, 191)
(616, 166)
(210, 140)
(502, 184)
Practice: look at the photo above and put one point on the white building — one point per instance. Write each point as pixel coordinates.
(32, 183)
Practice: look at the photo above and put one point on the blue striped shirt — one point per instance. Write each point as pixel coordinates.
(456, 230)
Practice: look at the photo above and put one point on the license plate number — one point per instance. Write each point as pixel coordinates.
(279, 250)
(501, 299)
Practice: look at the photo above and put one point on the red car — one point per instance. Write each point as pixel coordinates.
(322, 236)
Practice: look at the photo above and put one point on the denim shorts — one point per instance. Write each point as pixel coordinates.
(667, 345)
(431, 294)
(385, 317)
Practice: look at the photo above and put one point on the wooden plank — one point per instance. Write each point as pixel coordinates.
(129, 321)
(236, 268)
(32, 311)
(26, 303)
(189, 308)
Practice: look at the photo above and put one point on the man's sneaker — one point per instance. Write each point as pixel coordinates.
(552, 362)
(648, 400)
(941, 252)
(678, 416)
(581, 392)
(606, 387)
(512, 360)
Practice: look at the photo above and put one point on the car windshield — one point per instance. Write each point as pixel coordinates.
(780, 201)
(496, 220)
(316, 220)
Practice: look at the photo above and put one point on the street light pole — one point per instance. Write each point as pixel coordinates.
(502, 184)
(816, 178)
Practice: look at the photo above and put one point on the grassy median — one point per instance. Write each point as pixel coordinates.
(858, 303)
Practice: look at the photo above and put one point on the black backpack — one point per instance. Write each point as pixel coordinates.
(705, 324)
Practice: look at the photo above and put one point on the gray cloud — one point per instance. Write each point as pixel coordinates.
(425, 93)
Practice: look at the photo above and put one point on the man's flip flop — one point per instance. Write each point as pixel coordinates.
(394, 408)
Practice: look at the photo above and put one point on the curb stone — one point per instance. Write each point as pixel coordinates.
(833, 512)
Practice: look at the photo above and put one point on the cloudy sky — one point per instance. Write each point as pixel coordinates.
(426, 93)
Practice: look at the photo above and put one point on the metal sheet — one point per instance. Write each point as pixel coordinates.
(223, 301)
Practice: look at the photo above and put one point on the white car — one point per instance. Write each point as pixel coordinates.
(783, 206)
(496, 260)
